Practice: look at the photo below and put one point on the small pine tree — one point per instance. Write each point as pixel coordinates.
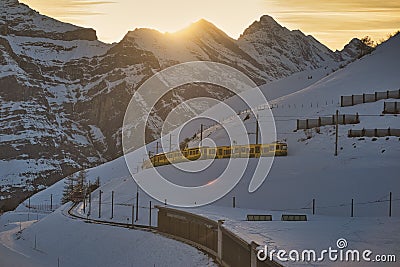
(68, 189)
(74, 187)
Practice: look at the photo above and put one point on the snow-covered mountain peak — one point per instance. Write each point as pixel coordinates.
(201, 28)
(20, 20)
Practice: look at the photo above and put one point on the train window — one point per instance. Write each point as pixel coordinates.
(212, 151)
(284, 147)
(251, 150)
(265, 150)
(243, 149)
(220, 151)
(257, 149)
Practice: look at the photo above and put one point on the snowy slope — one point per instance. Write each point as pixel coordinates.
(310, 161)
(310, 171)
(68, 242)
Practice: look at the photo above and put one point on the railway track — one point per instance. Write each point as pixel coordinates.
(117, 224)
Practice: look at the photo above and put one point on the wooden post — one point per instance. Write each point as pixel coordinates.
(51, 202)
(84, 203)
(137, 205)
(313, 206)
(112, 204)
(90, 203)
(170, 142)
(100, 203)
(352, 100)
(157, 148)
(234, 202)
(29, 207)
(390, 204)
(201, 135)
(133, 213)
(352, 207)
(337, 132)
(150, 214)
(257, 129)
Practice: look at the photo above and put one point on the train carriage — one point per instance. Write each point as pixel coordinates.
(237, 151)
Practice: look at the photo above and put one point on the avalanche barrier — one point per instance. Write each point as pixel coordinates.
(303, 124)
(374, 132)
(351, 100)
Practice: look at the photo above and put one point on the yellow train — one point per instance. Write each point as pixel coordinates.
(200, 153)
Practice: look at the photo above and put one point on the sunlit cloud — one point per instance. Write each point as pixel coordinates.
(67, 10)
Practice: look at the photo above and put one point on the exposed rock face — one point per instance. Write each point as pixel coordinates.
(63, 93)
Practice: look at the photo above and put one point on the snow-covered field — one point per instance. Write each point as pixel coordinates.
(58, 239)
(365, 170)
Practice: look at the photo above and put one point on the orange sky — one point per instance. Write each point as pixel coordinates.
(334, 23)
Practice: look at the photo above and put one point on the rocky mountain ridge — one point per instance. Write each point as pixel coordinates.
(63, 93)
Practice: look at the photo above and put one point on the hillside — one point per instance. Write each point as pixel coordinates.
(366, 170)
(354, 173)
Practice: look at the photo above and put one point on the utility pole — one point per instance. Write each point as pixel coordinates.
(157, 148)
(51, 202)
(170, 142)
(257, 129)
(337, 132)
(201, 135)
